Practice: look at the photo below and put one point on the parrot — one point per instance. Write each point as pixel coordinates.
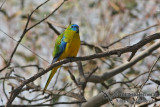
(67, 45)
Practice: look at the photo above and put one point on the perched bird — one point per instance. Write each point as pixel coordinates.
(67, 45)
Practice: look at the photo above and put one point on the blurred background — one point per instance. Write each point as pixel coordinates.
(101, 22)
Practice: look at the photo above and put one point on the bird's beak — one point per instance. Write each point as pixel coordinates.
(77, 29)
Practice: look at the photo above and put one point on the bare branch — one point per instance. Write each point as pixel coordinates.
(36, 105)
(73, 77)
(53, 28)
(47, 16)
(2, 4)
(26, 29)
(130, 35)
(24, 46)
(105, 76)
(149, 74)
(94, 70)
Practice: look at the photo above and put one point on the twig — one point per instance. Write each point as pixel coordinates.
(94, 70)
(93, 46)
(103, 84)
(130, 35)
(145, 104)
(109, 74)
(47, 16)
(146, 40)
(56, 24)
(21, 37)
(2, 4)
(24, 46)
(61, 92)
(26, 29)
(82, 82)
(4, 88)
(81, 72)
(155, 81)
(124, 82)
(53, 28)
(35, 105)
(73, 77)
(26, 66)
(149, 74)
(57, 77)
(3, 58)
(109, 99)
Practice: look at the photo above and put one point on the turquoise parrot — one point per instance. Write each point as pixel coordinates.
(67, 45)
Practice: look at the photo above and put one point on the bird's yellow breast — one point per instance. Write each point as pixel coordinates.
(72, 46)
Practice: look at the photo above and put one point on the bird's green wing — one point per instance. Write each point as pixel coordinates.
(59, 47)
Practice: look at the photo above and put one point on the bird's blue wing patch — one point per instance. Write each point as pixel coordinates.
(61, 47)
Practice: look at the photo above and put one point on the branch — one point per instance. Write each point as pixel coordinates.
(82, 79)
(146, 104)
(105, 76)
(73, 77)
(129, 81)
(47, 16)
(149, 74)
(130, 35)
(109, 74)
(65, 93)
(2, 4)
(26, 29)
(104, 97)
(35, 105)
(53, 28)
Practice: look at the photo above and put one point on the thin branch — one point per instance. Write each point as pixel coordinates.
(26, 29)
(57, 77)
(147, 52)
(21, 37)
(73, 78)
(4, 88)
(35, 105)
(129, 81)
(82, 81)
(155, 81)
(53, 28)
(109, 74)
(149, 74)
(2, 4)
(103, 98)
(25, 46)
(93, 46)
(94, 70)
(47, 16)
(65, 93)
(128, 35)
(5, 61)
(150, 71)
(103, 84)
(56, 24)
(146, 104)
(26, 66)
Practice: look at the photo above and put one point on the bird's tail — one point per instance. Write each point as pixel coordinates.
(50, 78)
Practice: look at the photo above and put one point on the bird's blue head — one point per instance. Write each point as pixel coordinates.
(74, 27)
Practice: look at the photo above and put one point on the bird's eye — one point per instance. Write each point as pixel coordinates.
(72, 26)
